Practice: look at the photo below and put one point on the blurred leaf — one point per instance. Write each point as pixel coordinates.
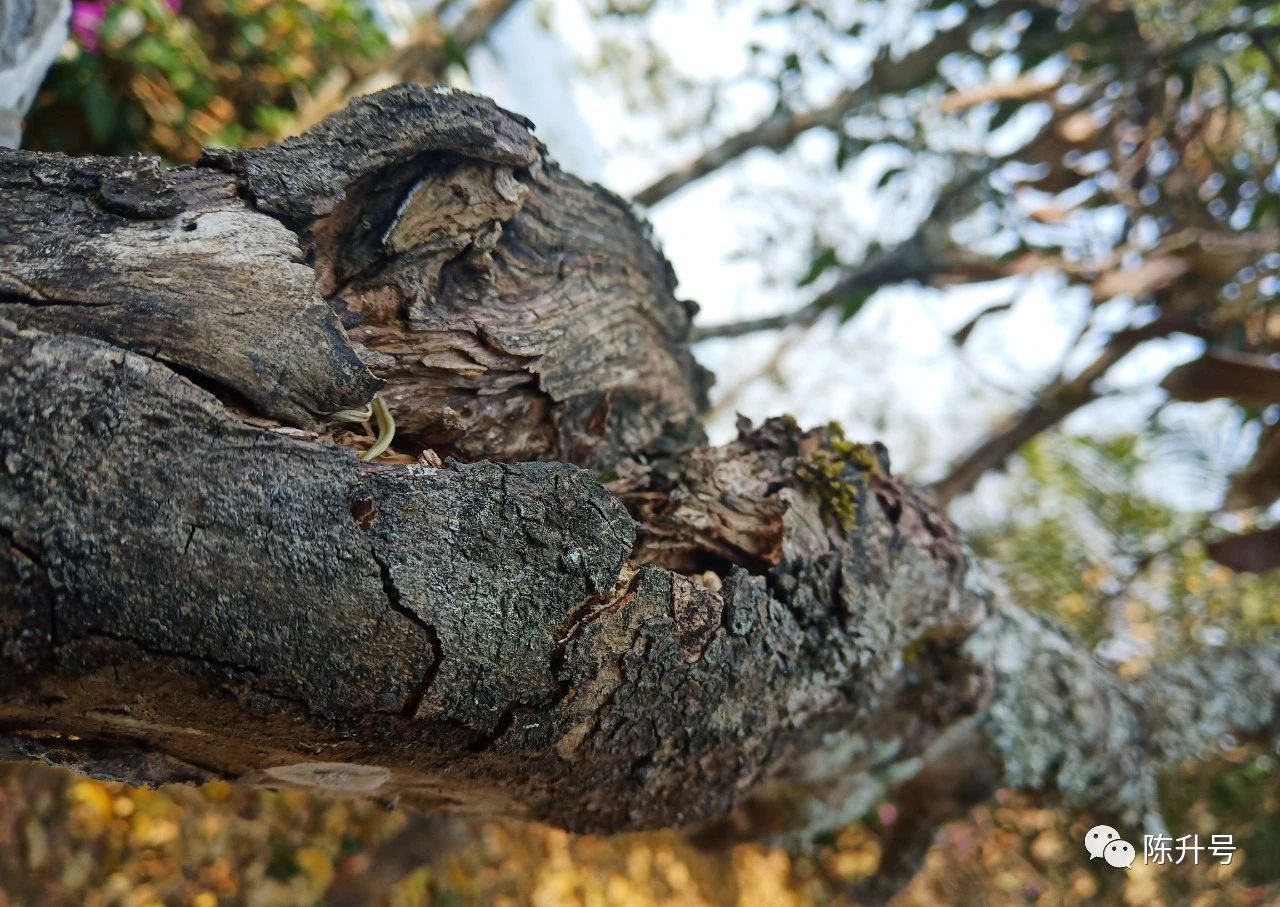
(825, 259)
(1004, 113)
(844, 150)
(1151, 275)
(1258, 484)
(1228, 87)
(1252, 552)
(1186, 76)
(888, 175)
(99, 110)
(1079, 128)
(455, 55)
(853, 304)
(1252, 380)
(961, 336)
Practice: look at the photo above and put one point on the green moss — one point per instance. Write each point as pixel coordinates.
(790, 427)
(914, 649)
(835, 476)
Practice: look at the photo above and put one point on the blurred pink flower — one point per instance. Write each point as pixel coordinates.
(86, 21)
(87, 16)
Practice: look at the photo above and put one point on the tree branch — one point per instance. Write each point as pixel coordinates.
(775, 132)
(1054, 403)
(910, 260)
(888, 75)
(201, 581)
(898, 264)
(426, 60)
(916, 258)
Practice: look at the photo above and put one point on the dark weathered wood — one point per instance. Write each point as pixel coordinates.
(464, 626)
(174, 264)
(199, 579)
(306, 177)
(517, 312)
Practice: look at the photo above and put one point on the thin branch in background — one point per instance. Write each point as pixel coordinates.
(770, 369)
(1111, 603)
(898, 264)
(889, 75)
(909, 260)
(1209, 37)
(1055, 402)
(776, 132)
(424, 62)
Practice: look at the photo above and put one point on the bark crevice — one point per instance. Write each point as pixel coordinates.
(389, 588)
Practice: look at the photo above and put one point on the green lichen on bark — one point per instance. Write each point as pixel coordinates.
(836, 474)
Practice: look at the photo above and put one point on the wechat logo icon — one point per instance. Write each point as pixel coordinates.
(1104, 841)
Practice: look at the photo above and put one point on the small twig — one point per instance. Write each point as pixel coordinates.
(777, 131)
(378, 411)
(353, 415)
(386, 430)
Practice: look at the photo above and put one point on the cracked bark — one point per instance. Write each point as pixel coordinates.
(587, 616)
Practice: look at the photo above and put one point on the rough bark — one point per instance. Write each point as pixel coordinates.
(589, 617)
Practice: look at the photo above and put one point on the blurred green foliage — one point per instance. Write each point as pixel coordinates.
(1083, 543)
(216, 72)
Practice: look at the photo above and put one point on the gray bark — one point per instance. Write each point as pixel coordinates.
(587, 617)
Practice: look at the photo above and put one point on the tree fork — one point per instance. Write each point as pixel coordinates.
(586, 616)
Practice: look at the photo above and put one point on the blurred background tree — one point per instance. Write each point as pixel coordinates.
(1035, 244)
(168, 78)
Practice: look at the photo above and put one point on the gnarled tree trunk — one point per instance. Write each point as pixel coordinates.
(552, 600)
